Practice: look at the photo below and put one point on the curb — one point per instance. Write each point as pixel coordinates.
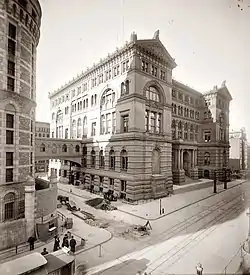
(183, 207)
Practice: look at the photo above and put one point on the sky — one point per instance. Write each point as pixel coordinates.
(209, 40)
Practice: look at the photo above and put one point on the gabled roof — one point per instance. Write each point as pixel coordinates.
(155, 46)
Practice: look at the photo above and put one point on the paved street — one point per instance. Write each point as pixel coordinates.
(209, 232)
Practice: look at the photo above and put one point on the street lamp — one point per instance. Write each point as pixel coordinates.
(215, 181)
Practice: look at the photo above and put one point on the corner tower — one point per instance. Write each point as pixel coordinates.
(20, 31)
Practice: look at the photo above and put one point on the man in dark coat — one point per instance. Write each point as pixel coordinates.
(65, 241)
(72, 245)
(56, 244)
(31, 241)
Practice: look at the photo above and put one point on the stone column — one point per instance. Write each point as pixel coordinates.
(195, 158)
(30, 206)
(178, 158)
(181, 160)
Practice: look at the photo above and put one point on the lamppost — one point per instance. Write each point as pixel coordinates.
(215, 181)
(248, 214)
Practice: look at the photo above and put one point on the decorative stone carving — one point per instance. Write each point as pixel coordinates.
(156, 35)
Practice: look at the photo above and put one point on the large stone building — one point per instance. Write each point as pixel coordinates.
(238, 156)
(20, 31)
(42, 130)
(141, 131)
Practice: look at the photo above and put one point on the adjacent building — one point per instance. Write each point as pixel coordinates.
(141, 130)
(20, 32)
(42, 130)
(238, 159)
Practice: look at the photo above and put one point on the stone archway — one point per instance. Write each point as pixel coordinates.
(186, 162)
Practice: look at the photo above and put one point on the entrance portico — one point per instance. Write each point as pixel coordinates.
(184, 163)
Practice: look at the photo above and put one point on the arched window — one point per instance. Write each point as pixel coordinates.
(95, 99)
(87, 102)
(112, 159)
(64, 148)
(42, 148)
(156, 163)
(21, 14)
(77, 148)
(74, 129)
(206, 158)
(152, 94)
(9, 206)
(125, 88)
(79, 127)
(93, 158)
(85, 121)
(92, 100)
(101, 159)
(124, 160)
(107, 100)
(26, 20)
(84, 104)
(14, 9)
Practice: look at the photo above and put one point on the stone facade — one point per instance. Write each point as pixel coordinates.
(141, 130)
(19, 31)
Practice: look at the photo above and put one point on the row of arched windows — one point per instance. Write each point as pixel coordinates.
(111, 159)
(180, 130)
(64, 148)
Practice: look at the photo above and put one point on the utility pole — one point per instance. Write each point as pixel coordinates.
(160, 206)
(242, 149)
(215, 182)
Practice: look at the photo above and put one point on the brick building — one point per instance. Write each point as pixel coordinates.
(20, 31)
(141, 131)
(42, 130)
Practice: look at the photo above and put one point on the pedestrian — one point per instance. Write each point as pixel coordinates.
(31, 241)
(72, 245)
(56, 244)
(65, 241)
(45, 252)
(199, 269)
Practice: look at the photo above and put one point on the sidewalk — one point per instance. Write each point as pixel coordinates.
(151, 210)
(93, 236)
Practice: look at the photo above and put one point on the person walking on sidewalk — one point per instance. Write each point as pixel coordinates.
(45, 252)
(72, 245)
(56, 244)
(199, 269)
(65, 241)
(31, 241)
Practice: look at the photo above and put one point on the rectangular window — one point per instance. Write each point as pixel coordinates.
(31, 140)
(162, 75)
(93, 129)
(11, 68)
(207, 136)
(111, 182)
(115, 72)
(12, 31)
(123, 186)
(9, 175)
(11, 47)
(9, 158)
(154, 71)
(9, 121)
(10, 84)
(113, 123)
(146, 121)
(31, 158)
(109, 123)
(152, 122)
(158, 123)
(9, 137)
(144, 66)
(125, 120)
